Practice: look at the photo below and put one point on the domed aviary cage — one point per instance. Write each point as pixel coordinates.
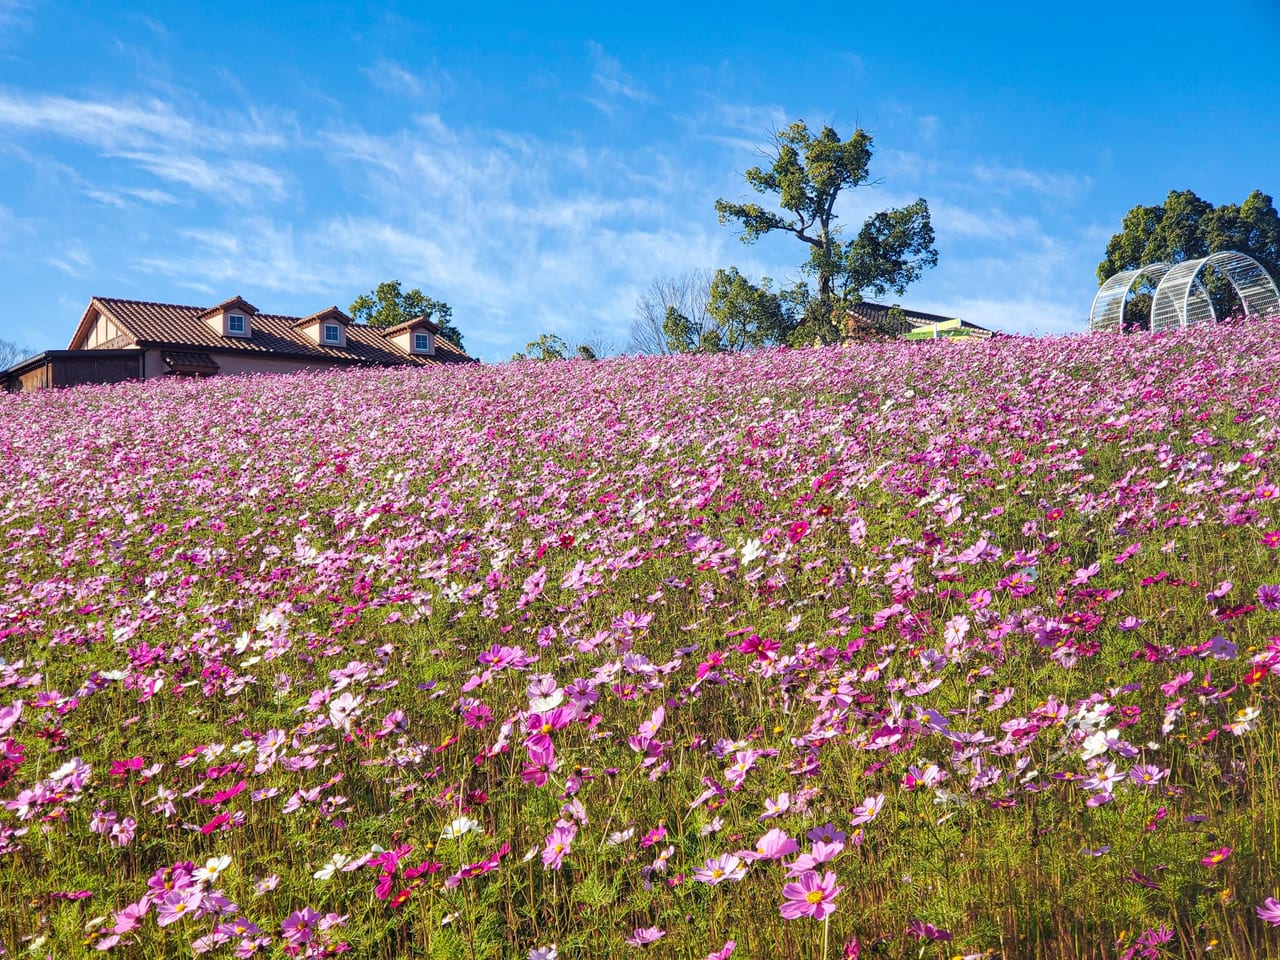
(1182, 298)
(1107, 312)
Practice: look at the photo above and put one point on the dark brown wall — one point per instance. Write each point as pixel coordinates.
(72, 371)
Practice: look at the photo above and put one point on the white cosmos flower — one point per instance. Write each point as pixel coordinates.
(548, 702)
(212, 870)
(344, 709)
(336, 863)
(459, 828)
(1096, 744)
(621, 836)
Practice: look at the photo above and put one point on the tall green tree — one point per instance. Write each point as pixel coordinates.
(389, 306)
(679, 332)
(806, 177)
(745, 314)
(1186, 227)
(548, 346)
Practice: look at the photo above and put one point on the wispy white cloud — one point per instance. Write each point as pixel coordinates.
(392, 78)
(13, 14)
(520, 234)
(612, 82)
(159, 137)
(239, 181)
(1054, 185)
(953, 220)
(73, 259)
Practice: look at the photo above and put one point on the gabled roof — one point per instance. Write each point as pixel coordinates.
(180, 327)
(417, 323)
(877, 315)
(880, 311)
(328, 313)
(235, 303)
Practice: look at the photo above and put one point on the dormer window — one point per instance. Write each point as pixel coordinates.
(332, 333)
(421, 342)
(231, 318)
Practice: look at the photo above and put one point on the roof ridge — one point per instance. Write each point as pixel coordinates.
(194, 306)
(149, 303)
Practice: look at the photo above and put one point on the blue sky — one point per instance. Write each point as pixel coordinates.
(537, 168)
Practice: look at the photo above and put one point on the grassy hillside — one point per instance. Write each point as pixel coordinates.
(907, 650)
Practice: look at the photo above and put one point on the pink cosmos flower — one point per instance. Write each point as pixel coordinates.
(721, 868)
(867, 811)
(122, 833)
(298, 927)
(130, 918)
(821, 853)
(776, 808)
(558, 843)
(643, 936)
(811, 896)
(178, 904)
(724, 952)
(774, 845)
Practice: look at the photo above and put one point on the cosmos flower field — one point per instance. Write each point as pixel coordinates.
(918, 650)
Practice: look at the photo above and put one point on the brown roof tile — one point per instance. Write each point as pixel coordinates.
(878, 311)
(178, 326)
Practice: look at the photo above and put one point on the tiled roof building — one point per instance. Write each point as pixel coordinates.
(874, 320)
(134, 339)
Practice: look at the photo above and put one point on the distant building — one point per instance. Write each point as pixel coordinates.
(135, 340)
(868, 320)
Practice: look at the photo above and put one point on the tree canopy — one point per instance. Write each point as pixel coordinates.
(747, 314)
(1185, 227)
(388, 306)
(806, 176)
(548, 346)
(702, 312)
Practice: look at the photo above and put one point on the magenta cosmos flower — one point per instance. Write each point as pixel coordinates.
(1216, 857)
(811, 896)
(1270, 911)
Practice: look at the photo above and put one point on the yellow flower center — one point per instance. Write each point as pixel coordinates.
(814, 896)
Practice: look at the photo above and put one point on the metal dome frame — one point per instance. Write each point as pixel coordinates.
(1107, 312)
(1182, 299)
